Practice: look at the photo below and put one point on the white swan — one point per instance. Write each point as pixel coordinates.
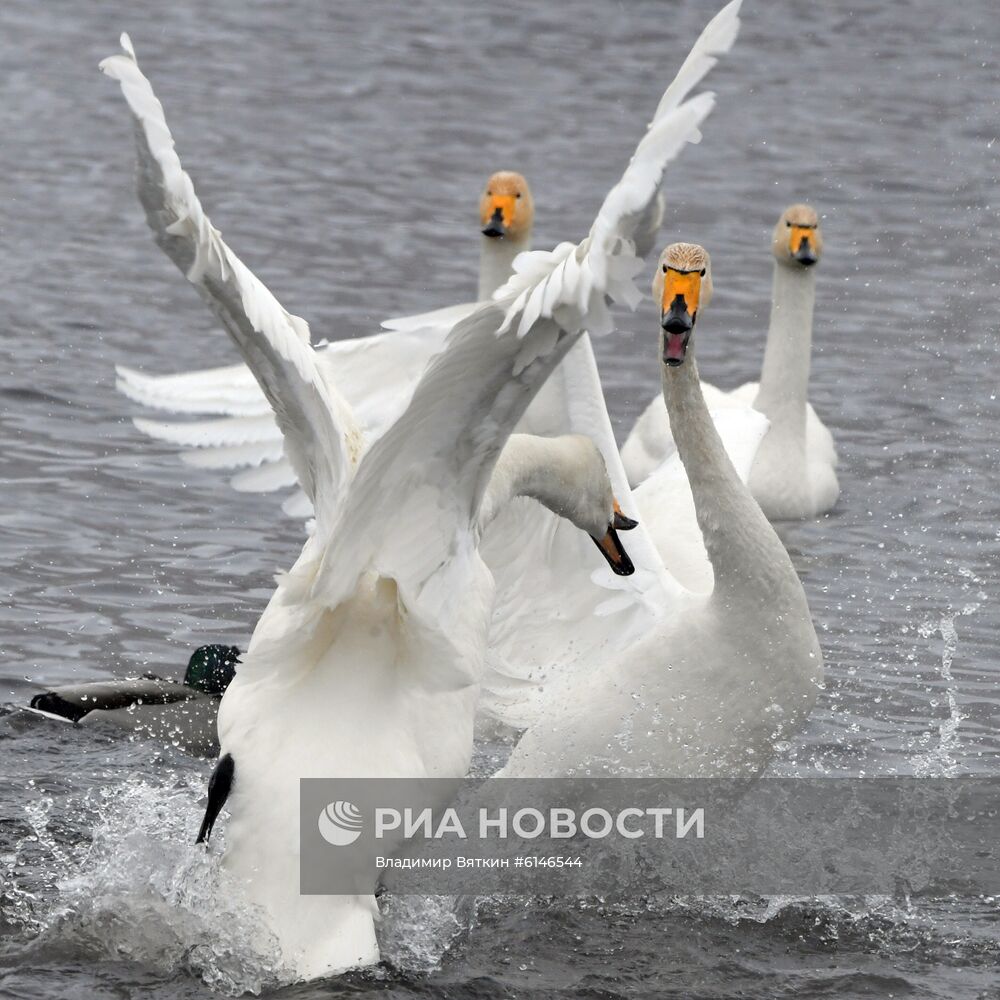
(367, 660)
(717, 679)
(375, 374)
(794, 473)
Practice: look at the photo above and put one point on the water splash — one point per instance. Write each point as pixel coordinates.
(137, 889)
(942, 759)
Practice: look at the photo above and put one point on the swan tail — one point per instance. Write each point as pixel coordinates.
(219, 787)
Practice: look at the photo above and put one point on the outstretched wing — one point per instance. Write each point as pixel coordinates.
(563, 283)
(432, 465)
(322, 440)
(549, 609)
(375, 374)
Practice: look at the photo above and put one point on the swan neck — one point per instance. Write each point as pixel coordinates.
(784, 380)
(741, 545)
(549, 470)
(496, 259)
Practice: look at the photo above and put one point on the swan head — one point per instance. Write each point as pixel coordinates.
(586, 498)
(506, 209)
(567, 475)
(682, 285)
(797, 240)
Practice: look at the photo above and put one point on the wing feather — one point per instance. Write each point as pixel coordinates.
(322, 440)
(440, 453)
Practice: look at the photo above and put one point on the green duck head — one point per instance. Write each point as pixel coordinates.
(211, 668)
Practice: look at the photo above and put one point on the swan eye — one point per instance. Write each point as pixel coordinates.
(664, 268)
(489, 194)
(518, 195)
(703, 272)
(788, 223)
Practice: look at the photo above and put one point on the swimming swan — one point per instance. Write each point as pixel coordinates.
(368, 658)
(794, 473)
(714, 680)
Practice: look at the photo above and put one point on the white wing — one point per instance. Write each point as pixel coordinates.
(231, 391)
(548, 618)
(321, 439)
(820, 446)
(441, 319)
(438, 457)
(651, 442)
(376, 375)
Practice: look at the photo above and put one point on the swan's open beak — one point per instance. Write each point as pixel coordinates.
(498, 214)
(802, 245)
(612, 549)
(611, 546)
(678, 312)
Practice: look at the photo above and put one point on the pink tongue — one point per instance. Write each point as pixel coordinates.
(675, 345)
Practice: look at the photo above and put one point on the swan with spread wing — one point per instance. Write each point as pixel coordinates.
(368, 659)
(376, 373)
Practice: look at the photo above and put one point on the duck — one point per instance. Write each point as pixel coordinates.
(182, 714)
(794, 475)
(368, 659)
(716, 679)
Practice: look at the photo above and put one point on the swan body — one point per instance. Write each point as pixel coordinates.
(368, 659)
(794, 473)
(716, 677)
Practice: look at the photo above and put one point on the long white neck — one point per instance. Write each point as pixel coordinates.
(749, 562)
(496, 259)
(565, 474)
(784, 380)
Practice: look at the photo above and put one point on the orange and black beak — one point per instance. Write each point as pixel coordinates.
(611, 546)
(497, 214)
(802, 244)
(678, 312)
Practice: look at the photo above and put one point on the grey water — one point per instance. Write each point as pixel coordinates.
(341, 149)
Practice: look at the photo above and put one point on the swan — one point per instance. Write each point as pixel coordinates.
(375, 373)
(368, 658)
(718, 678)
(794, 473)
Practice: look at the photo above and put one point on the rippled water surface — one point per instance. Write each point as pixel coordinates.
(341, 149)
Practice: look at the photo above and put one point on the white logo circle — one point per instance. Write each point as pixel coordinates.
(340, 823)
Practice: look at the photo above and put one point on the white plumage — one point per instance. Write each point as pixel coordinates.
(368, 659)
(714, 665)
(794, 473)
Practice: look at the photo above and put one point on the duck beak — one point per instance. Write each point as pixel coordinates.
(802, 245)
(497, 215)
(678, 312)
(612, 549)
